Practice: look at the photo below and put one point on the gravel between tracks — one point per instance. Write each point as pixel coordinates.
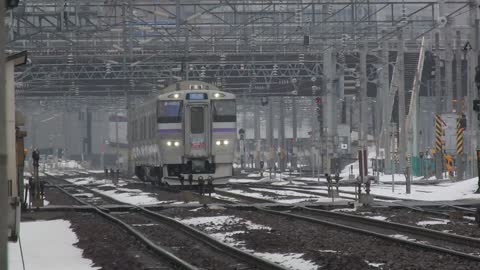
(56, 197)
(429, 221)
(326, 246)
(182, 245)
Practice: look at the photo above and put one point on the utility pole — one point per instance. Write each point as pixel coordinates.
(281, 135)
(402, 132)
(460, 162)
(293, 156)
(116, 140)
(331, 109)
(270, 143)
(448, 58)
(3, 152)
(471, 94)
(256, 131)
(386, 110)
(127, 50)
(363, 111)
(438, 109)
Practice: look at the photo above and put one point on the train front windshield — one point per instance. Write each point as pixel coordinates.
(224, 111)
(169, 111)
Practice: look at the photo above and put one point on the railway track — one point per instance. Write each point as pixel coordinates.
(452, 244)
(439, 210)
(182, 240)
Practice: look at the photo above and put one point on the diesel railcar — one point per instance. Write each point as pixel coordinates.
(187, 132)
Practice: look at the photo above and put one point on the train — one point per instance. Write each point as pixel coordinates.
(185, 134)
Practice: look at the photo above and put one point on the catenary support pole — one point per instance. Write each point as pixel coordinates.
(386, 110)
(270, 143)
(402, 132)
(472, 90)
(460, 162)
(281, 135)
(438, 109)
(363, 134)
(448, 60)
(293, 156)
(256, 134)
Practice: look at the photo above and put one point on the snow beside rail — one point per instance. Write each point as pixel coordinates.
(48, 245)
(440, 192)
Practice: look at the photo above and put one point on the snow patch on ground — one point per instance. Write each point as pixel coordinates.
(289, 260)
(217, 222)
(218, 196)
(145, 225)
(374, 264)
(285, 183)
(378, 217)
(242, 180)
(440, 192)
(433, 222)
(283, 192)
(403, 237)
(228, 238)
(214, 224)
(82, 180)
(328, 251)
(84, 195)
(249, 194)
(131, 196)
(61, 253)
(344, 210)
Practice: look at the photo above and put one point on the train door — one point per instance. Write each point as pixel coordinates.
(197, 131)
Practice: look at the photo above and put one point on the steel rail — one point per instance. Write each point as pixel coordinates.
(151, 245)
(381, 235)
(195, 233)
(243, 197)
(459, 239)
(301, 190)
(397, 204)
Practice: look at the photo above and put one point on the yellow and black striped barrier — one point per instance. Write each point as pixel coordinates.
(460, 131)
(438, 133)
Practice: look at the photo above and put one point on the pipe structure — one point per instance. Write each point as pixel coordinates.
(3, 154)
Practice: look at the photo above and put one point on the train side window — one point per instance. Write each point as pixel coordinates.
(169, 111)
(224, 111)
(197, 121)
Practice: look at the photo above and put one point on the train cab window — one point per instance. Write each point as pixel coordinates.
(169, 111)
(197, 121)
(224, 111)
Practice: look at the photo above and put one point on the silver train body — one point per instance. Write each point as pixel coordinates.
(189, 131)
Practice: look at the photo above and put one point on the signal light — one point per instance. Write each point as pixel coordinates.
(476, 105)
(9, 4)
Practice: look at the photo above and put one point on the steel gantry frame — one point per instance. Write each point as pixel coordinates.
(91, 48)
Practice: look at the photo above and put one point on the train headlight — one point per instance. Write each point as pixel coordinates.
(218, 143)
(169, 143)
(176, 95)
(177, 144)
(225, 142)
(218, 95)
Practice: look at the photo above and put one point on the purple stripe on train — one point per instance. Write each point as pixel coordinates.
(169, 131)
(224, 130)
